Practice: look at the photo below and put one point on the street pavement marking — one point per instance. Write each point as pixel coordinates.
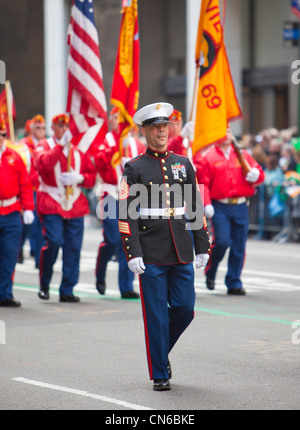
(197, 308)
(253, 280)
(251, 317)
(81, 393)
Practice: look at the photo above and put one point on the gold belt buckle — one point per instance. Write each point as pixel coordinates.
(233, 200)
(169, 212)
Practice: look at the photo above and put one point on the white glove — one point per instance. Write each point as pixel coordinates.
(136, 265)
(66, 138)
(71, 178)
(253, 175)
(126, 141)
(209, 211)
(201, 260)
(28, 217)
(188, 130)
(124, 161)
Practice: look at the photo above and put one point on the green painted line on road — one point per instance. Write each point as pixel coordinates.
(206, 310)
(78, 293)
(253, 317)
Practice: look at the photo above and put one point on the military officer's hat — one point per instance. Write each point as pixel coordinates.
(176, 116)
(37, 119)
(61, 119)
(156, 113)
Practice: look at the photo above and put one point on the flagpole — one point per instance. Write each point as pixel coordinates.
(9, 111)
(69, 189)
(195, 91)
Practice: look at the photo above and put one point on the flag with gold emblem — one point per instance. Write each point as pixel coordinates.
(4, 108)
(125, 87)
(217, 103)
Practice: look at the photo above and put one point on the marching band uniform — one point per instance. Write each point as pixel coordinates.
(226, 193)
(36, 130)
(157, 243)
(15, 195)
(110, 174)
(179, 140)
(62, 215)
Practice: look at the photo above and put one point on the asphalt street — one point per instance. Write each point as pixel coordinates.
(239, 353)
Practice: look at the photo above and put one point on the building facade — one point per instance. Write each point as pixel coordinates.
(33, 45)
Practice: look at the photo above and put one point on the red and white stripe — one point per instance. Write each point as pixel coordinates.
(86, 100)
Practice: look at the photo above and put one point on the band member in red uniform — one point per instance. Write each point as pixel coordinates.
(226, 193)
(62, 205)
(36, 130)
(110, 174)
(180, 137)
(15, 195)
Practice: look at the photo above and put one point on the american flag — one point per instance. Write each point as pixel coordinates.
(86, 100)
(296, 7)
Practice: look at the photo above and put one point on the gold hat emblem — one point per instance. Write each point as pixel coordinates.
(158, 106)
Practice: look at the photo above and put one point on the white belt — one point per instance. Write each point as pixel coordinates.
(233, 200)
(49, 189)
(8, 202)
(167, 212)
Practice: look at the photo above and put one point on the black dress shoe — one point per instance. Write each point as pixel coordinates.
(69, 298)
(237, 291)
(169, 367)
(44, 294)
(100, 287)
(10, 303)
(130, 295)
(20, 257)
(161, 385)
(210, 284)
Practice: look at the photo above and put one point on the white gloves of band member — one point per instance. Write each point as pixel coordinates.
(136, 265)
(253, 175)
(71, 178)
(28, 217)
(209, 211)
(124, 161)
(201, 260)
(66, 138)
(188, 130)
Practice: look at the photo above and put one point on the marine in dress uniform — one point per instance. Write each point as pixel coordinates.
(226, 194)
(15, 195)
(35, 129)
(156, 241)
(110, 173)
(62, 213)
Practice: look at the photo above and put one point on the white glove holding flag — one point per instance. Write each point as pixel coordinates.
(124, 161)
(71, 178)
(209, 211)
(188, 130)
(136, 265)
(201, 260)
(253, 175)
(66, 138)
(126, 141)
(28, 217)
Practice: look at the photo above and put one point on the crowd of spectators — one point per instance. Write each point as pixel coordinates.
(278, 152)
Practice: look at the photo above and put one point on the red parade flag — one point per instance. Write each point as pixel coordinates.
(4, 107)
(125, 87)
(217, 103)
